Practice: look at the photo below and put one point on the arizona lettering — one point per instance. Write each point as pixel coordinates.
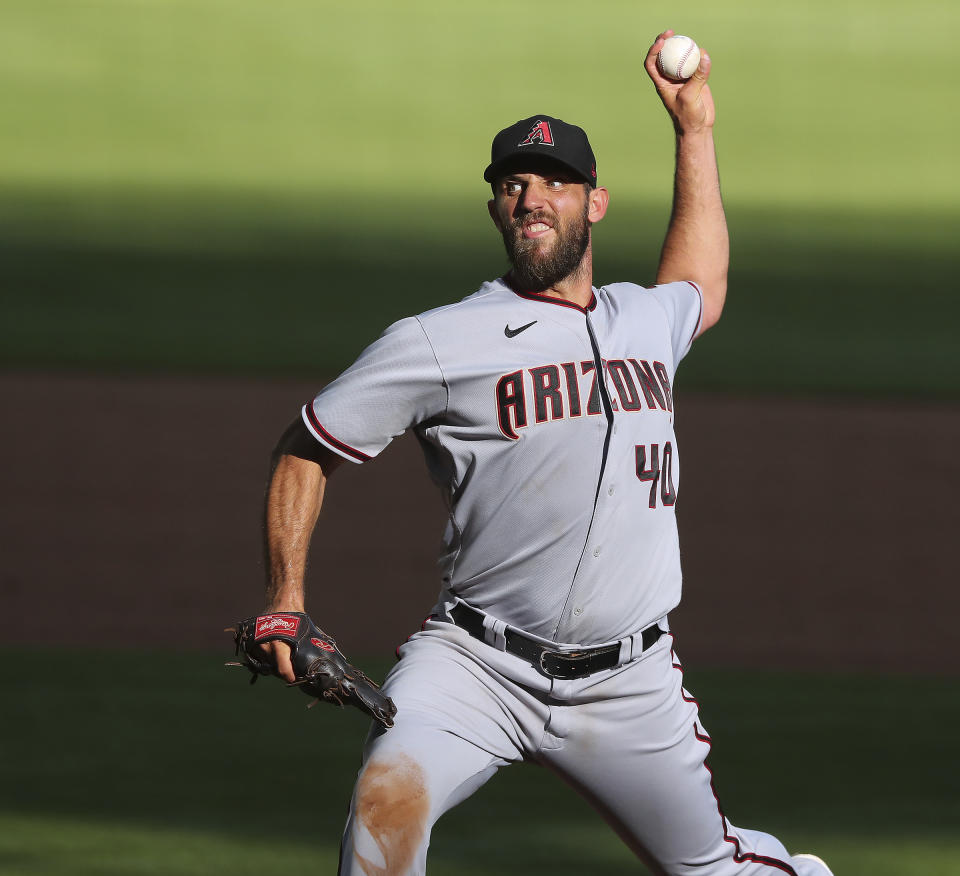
(570, 389)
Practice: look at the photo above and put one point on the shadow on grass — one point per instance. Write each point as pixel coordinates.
(818, 303)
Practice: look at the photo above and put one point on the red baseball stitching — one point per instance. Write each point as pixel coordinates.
(683, 61)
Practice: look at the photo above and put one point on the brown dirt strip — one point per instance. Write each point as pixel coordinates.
(815, 534)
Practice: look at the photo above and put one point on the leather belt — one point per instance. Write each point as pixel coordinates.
(554, 663)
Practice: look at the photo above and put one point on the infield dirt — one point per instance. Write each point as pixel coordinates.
(815, 534)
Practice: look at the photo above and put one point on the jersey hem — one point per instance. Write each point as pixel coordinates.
(696, 330)
(327, 440)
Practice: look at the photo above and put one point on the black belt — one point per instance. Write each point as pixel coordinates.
(556, 664)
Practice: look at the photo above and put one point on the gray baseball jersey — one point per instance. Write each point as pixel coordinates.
(549, 429)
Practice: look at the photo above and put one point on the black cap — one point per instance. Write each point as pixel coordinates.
(545, 137)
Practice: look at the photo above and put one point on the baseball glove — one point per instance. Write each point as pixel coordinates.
(320, 668)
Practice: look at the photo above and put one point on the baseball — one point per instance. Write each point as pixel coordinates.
(678, 58)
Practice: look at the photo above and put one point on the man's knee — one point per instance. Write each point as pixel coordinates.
(391, 810)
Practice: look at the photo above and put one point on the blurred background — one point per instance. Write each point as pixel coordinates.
(207, 209)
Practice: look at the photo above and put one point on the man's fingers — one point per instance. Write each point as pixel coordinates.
(690, 93)
(702, 72)
(650, 62)
(658, 42)
(284, 666)
(281, 656)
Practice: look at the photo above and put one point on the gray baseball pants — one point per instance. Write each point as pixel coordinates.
(628, 739)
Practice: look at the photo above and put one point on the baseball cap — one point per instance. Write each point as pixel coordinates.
(545, 137)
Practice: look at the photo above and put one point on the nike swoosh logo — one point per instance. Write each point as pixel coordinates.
(512, 333)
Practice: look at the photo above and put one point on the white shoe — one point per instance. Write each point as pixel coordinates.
(819, 861)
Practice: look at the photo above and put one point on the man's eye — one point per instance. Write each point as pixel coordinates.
(512, 188)
(555, 183)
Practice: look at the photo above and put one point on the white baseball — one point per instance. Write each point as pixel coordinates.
(678, 58)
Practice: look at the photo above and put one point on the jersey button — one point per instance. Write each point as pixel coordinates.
(610, 490)
(578, 611)
(596, 552)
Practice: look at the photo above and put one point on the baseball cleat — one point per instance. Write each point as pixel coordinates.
(820, 861)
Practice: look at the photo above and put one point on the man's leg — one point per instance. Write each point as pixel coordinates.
(455, 726)
(409, 779)
(634, 746)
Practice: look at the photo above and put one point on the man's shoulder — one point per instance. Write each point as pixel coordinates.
(626, 293)
(487, 298)
(623, 287)
(621, 290)
(622, 296)
(449, 323)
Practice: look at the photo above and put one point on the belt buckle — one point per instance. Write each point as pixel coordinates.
(543, 667)
(561, 655)
(580, 664)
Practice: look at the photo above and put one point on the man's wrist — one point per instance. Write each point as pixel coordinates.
(284, 600)
(704, 133)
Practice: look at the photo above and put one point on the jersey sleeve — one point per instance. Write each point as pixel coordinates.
(683, 304)
(393, 385)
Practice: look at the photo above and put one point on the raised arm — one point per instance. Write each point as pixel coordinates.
(301, 467)
(697, 246)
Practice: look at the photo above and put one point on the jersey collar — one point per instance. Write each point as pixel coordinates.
(550, 299)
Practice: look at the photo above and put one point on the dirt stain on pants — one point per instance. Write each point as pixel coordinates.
(392, 805)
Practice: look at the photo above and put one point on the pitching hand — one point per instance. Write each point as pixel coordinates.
(689, 103)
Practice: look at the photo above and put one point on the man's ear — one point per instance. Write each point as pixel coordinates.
(492, 210)
(599, 200)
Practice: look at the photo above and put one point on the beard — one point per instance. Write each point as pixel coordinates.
(536, 268)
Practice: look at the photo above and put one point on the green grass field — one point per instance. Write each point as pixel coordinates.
(162, 763)
(249, 188)
(204, 186)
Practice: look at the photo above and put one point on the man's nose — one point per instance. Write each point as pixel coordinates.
(532, 197)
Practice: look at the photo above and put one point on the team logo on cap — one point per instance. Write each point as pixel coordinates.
(539, 133)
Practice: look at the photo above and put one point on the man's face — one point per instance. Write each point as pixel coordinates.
(545, 222)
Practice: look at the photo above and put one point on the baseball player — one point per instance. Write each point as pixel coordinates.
(545, 408)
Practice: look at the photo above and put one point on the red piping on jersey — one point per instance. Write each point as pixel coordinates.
(549, 299)
(696, 328)
(333, 442)
(739, 856)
